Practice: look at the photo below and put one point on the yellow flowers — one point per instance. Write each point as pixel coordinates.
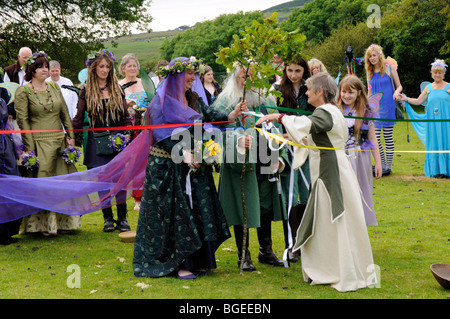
(213, 148)
(209, 152)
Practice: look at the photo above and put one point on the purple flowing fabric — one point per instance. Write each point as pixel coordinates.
(197, 87)
(77, 193)
(111, 184)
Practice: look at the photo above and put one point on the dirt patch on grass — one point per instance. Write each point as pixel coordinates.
(421, 178)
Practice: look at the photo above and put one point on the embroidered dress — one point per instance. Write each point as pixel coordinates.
(169, 231)
(36, 111)
(332, 237)
(435, 135)
(387, 104)
(361, 160)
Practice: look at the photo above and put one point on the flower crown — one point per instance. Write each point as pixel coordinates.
(93, 56)
(181, 66)
(32, 58)
(438, 64)
(373, 47)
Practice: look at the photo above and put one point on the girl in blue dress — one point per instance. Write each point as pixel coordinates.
(437, 134)
(380, 78)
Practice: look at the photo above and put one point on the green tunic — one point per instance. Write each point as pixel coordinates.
(261, 195)
(35, 111)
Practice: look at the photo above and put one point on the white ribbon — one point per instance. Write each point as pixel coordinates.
(188, 185)
(265, 128)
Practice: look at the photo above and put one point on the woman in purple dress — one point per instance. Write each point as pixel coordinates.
(362, 141)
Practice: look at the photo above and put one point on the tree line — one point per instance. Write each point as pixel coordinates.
(413, 32)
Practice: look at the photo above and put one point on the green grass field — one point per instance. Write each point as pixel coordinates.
(413, 233)
(144, 45)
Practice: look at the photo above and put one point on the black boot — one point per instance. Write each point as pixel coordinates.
(122, 223)
(239, 236)
(266, 255)
(295, 218)
(108, 225)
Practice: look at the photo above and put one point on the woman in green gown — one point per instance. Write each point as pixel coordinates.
(40, 106)
(175, 235)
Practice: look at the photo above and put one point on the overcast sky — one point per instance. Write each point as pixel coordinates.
(170, 14)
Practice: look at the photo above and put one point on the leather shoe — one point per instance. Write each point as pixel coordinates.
(188, 276)
(122, 225)
(247, 266)
(270, 259)
(108, 226)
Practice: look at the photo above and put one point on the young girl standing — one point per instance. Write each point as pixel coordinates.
(353, 102)
(381, 77)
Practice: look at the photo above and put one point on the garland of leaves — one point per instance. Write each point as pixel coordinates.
(93, 56)
(181, 66)
(32, 58)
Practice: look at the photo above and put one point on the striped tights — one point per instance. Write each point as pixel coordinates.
(386, 160)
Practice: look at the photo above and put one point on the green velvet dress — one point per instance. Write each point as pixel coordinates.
(170, 234)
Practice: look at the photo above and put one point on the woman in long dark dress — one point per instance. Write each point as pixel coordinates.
(172, 235)
(104, 102)
(293, 88)
(8, 166)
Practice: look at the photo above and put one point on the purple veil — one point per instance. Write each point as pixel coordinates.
(168, 107)
(78, 193)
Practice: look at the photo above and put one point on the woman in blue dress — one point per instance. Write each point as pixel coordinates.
(382, 77)
(436, 134)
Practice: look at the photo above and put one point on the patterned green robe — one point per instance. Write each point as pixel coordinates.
(169, 230)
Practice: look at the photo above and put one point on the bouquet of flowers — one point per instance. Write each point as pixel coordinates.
(118, 142)
(71, 155)
(212, 152)
(29, 160)
(209, 153)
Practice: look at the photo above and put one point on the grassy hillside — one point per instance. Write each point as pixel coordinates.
(287, 6)
(146, 45)
(284, 9)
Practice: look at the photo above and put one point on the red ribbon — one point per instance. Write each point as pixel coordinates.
(120, 128)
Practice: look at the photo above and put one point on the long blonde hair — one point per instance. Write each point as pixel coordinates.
(381, 60)
(361, 102)
(114, 105)
(314, 63)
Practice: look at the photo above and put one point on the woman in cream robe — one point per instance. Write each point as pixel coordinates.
(332, 237)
